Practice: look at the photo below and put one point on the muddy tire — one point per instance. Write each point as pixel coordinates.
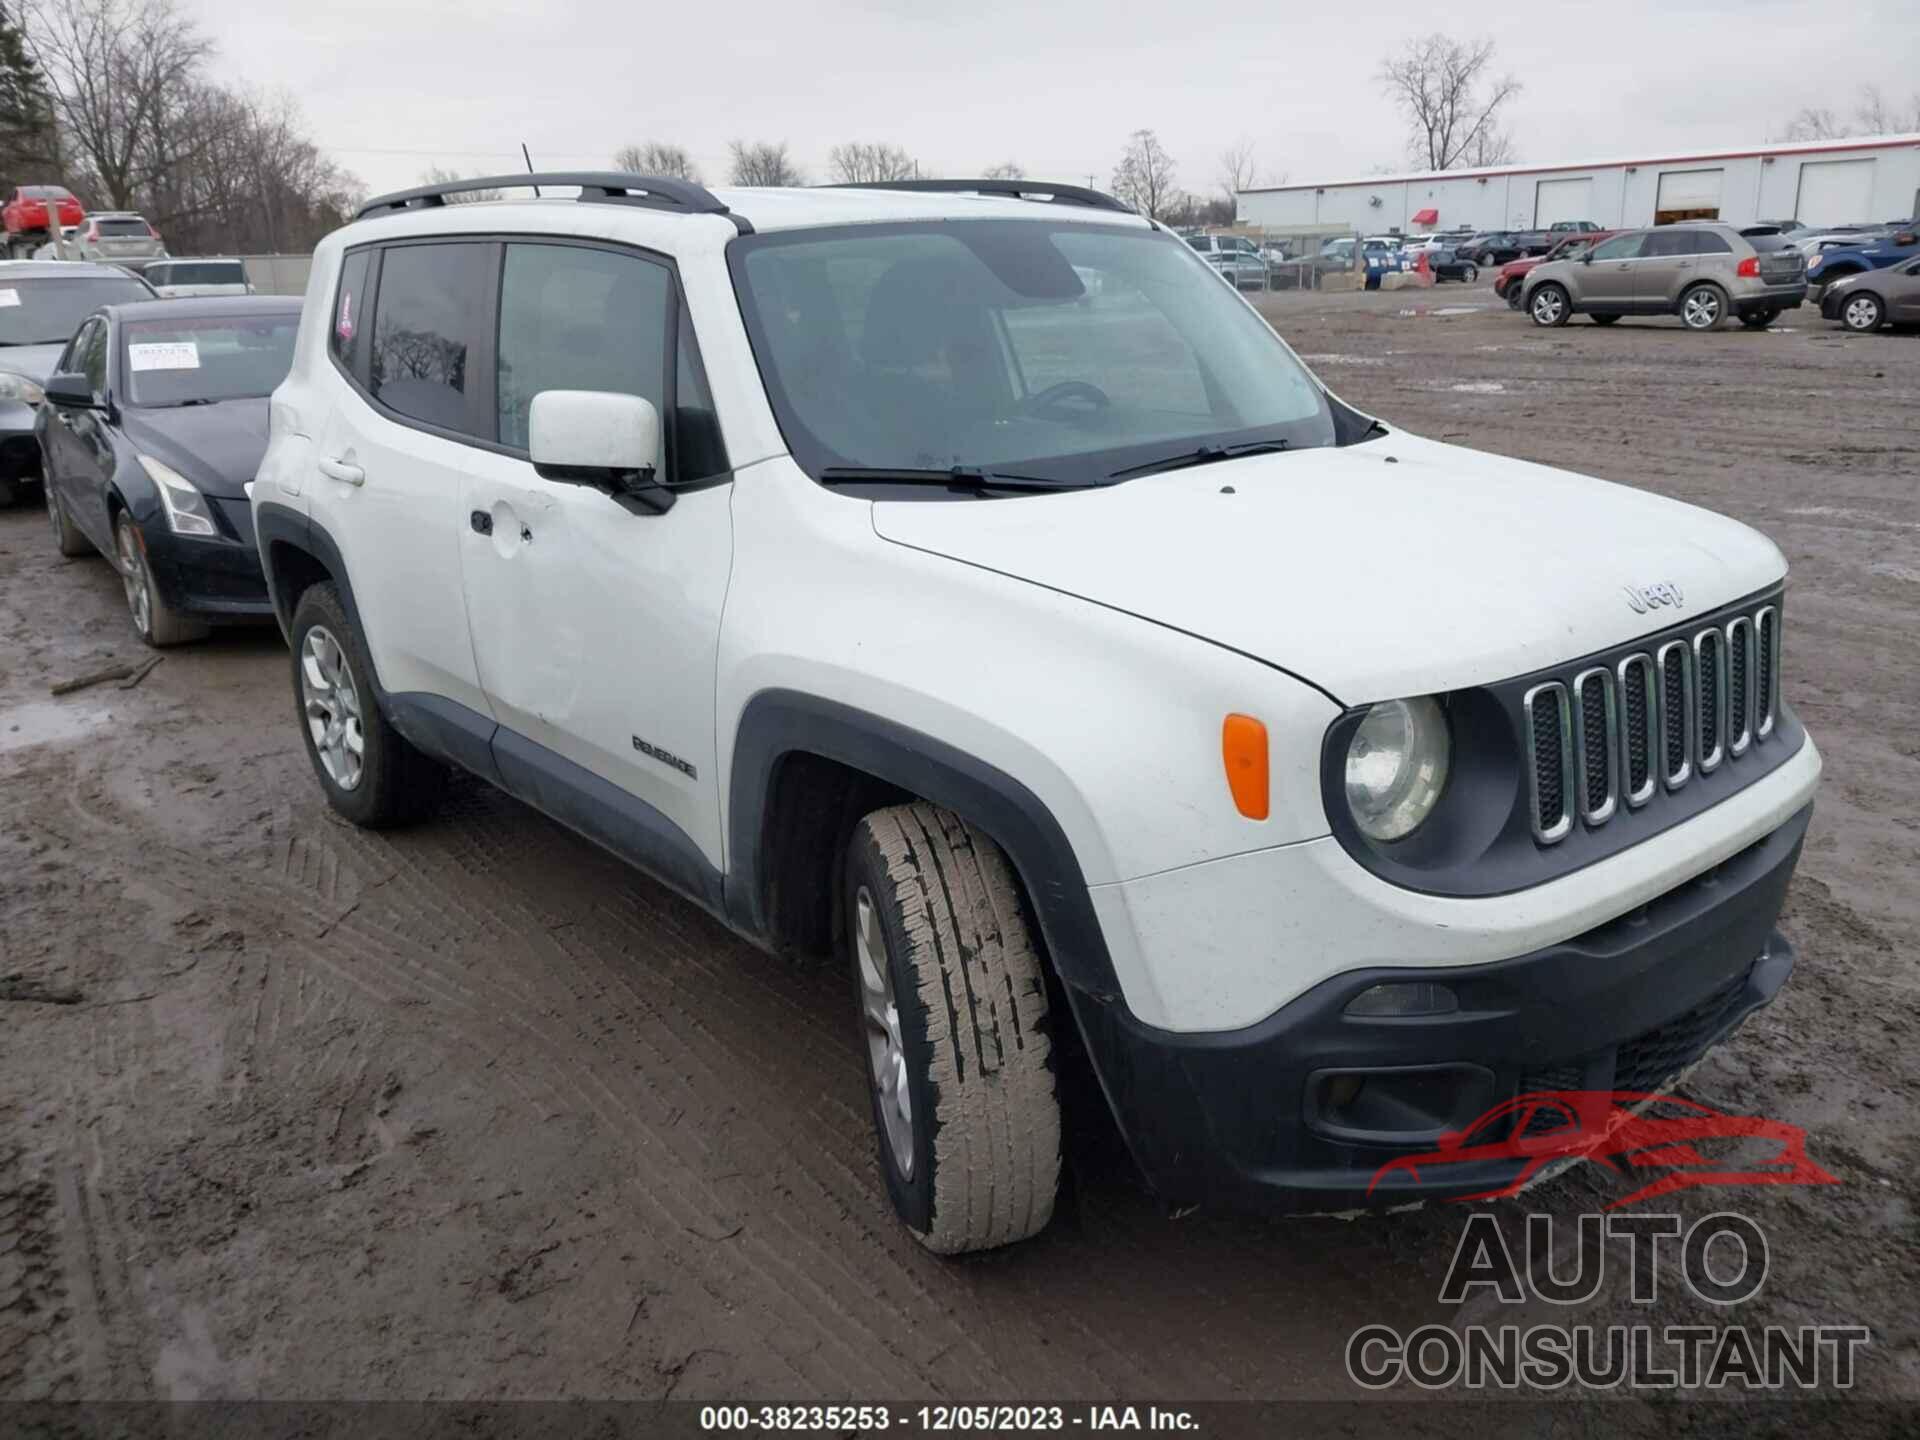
(1550, 305)
(1703, 307)
(955, 1030)
(369, 772)
(157, 622)
(67, 538)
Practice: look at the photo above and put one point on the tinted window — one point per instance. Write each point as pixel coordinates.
(1707, 242)
(572, 318)
(206, 272)
(93, 357)
(226, 357)
(349, 310)
(1665, 244)
(430, 322)
(697, 448)
(121, 227)
(1200, 242)
(34, 311)
(1621, 247)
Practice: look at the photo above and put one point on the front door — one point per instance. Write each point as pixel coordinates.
(1606, 279)
(596, 626)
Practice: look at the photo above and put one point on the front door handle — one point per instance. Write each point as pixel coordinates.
(481, 522)
(342, 470)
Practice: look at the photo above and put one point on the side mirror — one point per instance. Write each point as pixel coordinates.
(71, 389)
(1586, 257)
(603, 439)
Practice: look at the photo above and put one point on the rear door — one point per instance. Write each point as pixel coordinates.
(391, 456)
(1666, 267)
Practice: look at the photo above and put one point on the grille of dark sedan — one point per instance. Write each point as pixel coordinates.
(1695, 701)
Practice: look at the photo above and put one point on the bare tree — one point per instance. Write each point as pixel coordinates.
(1144, 176)
(1237, 170)
(657, 158)
(762, 162)
(1452, 102)
(434, 175)
(857, 163)
(1872, 115)
(1005, 170)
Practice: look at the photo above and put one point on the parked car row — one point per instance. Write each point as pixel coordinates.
(145, 418)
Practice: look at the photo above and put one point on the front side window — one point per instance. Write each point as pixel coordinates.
(93, 357)
(574, 318)
(1065, 350)
(428, 331)
(205, 359)
(1621, 247)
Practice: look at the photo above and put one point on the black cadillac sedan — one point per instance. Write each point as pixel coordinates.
(154, 421)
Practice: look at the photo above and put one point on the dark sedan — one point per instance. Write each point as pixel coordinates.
(154, 422)
(41, 304)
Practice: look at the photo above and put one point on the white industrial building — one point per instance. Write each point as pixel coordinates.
(1828, 182)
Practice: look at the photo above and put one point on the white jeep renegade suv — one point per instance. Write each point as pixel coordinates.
(958, 578)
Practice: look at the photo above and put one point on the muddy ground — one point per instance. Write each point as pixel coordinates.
(290, 1110)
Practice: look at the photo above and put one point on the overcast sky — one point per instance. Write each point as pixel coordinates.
(391, 87)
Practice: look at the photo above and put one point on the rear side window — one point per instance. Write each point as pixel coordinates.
(574, 318)
(349, 311)
(1664, 244)
(1706, 242)
(429, 330)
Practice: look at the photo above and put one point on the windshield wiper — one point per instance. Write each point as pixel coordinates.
(965, 477)
(1205, 455)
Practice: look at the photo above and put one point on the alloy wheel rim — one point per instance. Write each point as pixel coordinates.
(880, 1014)
(331, 703)
(1547, 305)
(1860, 314)
(133, 575)
(1703, 308)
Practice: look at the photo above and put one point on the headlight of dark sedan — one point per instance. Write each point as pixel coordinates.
(186, 507)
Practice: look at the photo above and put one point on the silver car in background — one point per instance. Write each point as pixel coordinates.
(117, 237)
(1705, 273)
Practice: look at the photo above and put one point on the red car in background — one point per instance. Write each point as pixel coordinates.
(1511, 280)
(28, 220)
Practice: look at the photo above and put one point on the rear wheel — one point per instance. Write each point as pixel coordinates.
(1550, 305)
(953, 1008)
(1862, 312)
(369, 772)
(1703, 307)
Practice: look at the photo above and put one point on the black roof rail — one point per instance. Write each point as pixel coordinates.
(1044, 190)
(597, 187)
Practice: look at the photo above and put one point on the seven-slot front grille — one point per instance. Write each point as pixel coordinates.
(1659, 717)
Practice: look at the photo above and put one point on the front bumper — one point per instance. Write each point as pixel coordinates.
(1257, 1118)
(216, 580)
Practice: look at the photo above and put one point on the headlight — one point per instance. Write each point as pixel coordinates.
(186, 507)
(20, 388)
(1397, 767)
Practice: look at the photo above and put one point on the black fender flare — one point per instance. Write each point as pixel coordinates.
(274, 523)
(778, 723)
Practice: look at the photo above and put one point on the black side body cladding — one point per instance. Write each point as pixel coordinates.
(777, 723)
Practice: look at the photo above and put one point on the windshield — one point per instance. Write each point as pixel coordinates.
(204, 358)
(47, 312)
(198, 272)
(1061, 350)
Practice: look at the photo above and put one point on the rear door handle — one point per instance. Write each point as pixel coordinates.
(481, 522)
(342, 471)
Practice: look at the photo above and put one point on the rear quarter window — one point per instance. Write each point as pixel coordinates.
(347, 340)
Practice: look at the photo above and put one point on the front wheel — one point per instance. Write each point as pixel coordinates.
(1703, 308)
(159, 624)
(1550, 306)
(1862, 312)
(369, 772)
(954, 1016)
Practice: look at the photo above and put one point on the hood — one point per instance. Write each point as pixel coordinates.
(1398, 567)
(33, 361)
(218, 447)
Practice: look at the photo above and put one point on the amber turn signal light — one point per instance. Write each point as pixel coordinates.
(1243, 747)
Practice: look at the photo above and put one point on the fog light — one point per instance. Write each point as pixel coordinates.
(1405, 997)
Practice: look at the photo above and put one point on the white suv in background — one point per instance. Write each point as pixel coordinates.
(954, 578)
